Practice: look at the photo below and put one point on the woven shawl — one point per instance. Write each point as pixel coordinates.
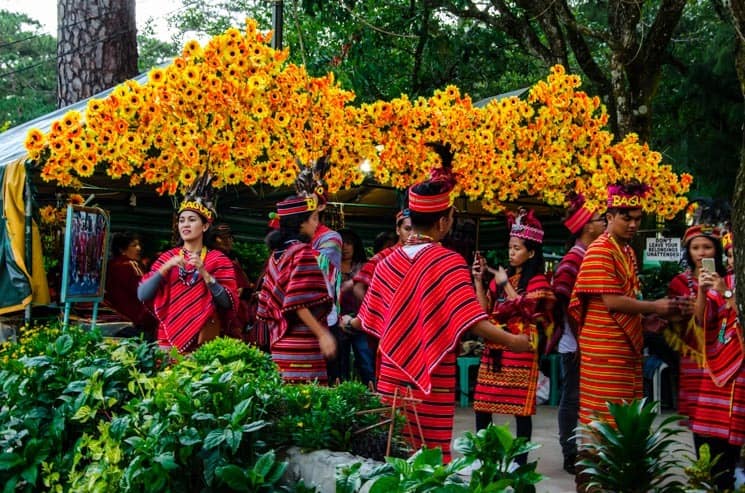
(603, 271)
(419, 307)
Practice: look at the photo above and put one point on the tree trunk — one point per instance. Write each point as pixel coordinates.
(737, 7)
(549, 29)
(97, 47)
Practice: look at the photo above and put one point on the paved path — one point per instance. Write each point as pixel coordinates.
(545, 433)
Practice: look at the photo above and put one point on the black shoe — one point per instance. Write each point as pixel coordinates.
(569, 465)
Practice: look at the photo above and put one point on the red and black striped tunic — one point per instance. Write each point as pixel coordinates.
(294, 280)
(419, 306)
(183, 307)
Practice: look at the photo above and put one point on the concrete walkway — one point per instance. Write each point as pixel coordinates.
(545, 433)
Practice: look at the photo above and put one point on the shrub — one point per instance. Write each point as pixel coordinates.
(635, 455)
(56, 386)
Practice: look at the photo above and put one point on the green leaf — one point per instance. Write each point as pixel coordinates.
(385, 484)
(83, 414)
(233, 476)
(189, 436)
(213, 439)
(255, 426)
(233, 439)
(240, 411)
(63, 344)
(30, 474)
(264, 464)
(9, 460)
(167, 461)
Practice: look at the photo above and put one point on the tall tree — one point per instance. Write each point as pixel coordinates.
(97, 47)
(737, 9)
(27, 77)
(619, 45)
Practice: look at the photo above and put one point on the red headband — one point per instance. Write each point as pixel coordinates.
(429, 203)
(619, 198)
(525, 226)
(297, 205)
(697, 230)
(575, 222)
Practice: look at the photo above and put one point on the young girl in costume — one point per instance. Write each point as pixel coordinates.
(188, 284)
(718, 419)
(294, 299)
(522, 300)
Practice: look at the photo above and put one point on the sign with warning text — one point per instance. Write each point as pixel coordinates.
(663, 249)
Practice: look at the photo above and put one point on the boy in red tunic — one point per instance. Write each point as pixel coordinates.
(606, 303)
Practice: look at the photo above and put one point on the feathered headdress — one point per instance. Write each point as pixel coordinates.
(200, 198)
(525, 225)
(310, 179)
(442, 200)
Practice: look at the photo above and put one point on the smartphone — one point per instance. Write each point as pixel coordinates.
(708, 265)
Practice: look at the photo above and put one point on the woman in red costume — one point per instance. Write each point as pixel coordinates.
(124, 274)
(699, 242)
(188, 284)
(294, 300)
(521, 298)
(719, 418)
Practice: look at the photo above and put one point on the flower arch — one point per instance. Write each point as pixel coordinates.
(236, 109)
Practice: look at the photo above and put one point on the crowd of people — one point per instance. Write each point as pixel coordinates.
(400, 316)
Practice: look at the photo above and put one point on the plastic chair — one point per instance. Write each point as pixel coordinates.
(657, 385)
(464, 381)
(554, 360)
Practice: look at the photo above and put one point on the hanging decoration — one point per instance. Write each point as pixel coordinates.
(237, 110)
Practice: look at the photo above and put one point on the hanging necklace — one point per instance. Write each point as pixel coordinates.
(419, 239)
(629, 263)
(183, 272)
(690, 282)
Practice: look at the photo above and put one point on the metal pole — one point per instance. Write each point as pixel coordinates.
(28, 254)
(277, 22)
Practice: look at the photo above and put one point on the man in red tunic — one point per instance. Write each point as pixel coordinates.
(420, 302)
(607, 304)
(585, 226)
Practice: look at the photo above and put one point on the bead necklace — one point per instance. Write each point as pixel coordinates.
(183, 272)
(631, 270)
(419, 239)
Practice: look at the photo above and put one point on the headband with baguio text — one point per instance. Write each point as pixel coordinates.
(296, 205)
(200, 198)
(629, 195)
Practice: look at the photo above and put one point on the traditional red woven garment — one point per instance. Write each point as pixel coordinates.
(687, 339)
(183, 304)
(563, 282)
(293, 280)
(507, 380)
(365, 274)
(720, 409)
(610, 344)
(419, 307)
(122, 278)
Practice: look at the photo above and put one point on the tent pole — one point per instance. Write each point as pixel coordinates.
(28, 243)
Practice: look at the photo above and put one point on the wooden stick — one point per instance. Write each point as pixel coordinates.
(374, 425)
(393, 420)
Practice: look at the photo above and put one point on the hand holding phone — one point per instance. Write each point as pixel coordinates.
(708, 265)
